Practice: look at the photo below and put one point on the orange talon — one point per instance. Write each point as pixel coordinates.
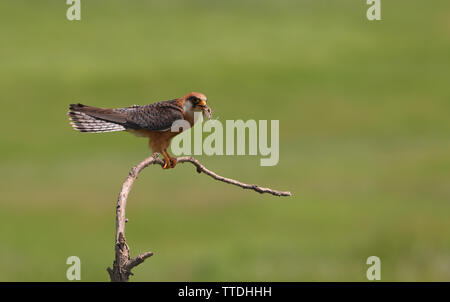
(172, 160)
(166, 161)
(166, 165)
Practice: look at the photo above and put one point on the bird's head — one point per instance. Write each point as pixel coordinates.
(196, 102)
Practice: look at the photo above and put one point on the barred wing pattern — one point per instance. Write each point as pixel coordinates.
(157, 117)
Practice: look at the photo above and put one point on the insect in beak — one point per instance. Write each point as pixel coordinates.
(207, 111)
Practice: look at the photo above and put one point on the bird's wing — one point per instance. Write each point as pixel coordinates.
(109, 115)
(157, 116)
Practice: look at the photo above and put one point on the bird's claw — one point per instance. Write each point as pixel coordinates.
(166, 165)
(171, 163)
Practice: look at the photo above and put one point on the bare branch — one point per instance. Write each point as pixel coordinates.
(201, 168)
(138, 260)
(123, 264)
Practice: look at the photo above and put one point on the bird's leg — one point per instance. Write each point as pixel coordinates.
(173, 160)
(166, 161)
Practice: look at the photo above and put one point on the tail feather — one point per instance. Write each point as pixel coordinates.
(84, 122)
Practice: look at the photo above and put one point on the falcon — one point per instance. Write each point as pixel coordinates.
(153, 120)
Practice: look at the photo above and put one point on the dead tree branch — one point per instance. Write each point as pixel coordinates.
(123, 264)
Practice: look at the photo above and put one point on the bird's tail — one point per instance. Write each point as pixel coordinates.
(91, 119)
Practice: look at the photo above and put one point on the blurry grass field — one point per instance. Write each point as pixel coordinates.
(364, 139)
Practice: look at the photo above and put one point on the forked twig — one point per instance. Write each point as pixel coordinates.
(123, 264)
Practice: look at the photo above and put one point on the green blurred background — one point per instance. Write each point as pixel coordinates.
(364, 139)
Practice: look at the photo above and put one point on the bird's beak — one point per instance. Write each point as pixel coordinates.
(202, 103)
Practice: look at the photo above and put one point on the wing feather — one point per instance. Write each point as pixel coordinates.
(157, 116)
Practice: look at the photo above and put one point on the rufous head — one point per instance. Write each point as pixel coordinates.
(196, 102)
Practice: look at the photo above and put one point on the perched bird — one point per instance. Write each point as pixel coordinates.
(153, 120)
